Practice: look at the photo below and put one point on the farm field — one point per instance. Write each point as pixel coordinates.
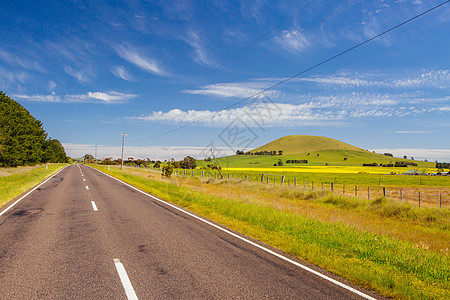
(375, 243)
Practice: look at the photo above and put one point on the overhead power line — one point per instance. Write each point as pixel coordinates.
(300, 73)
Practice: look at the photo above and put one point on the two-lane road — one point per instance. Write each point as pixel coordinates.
(84, 235)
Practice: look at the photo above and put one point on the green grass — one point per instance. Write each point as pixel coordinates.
(295, 144)
(15, 181)
(330, 157)
(389, 266)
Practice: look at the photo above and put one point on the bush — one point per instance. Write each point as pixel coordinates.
(167, 170)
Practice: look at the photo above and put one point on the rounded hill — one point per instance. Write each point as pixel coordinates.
(298, 144)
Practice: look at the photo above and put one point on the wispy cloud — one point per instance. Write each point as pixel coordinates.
(413, 131)
(293, 40)
(233, 90)
(15, 60)
(83, 76)
(8, 78)
(111, 97)
(200, 54)
(38, 98)
(134, 57)
(121, 72)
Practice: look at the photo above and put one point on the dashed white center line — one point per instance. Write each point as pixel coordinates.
(84, 179)
(94, 206)
(129, 291)
(87, 188)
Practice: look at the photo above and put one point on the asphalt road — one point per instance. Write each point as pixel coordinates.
(84, 235)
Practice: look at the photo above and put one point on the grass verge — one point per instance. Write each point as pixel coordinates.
(392, 267)
(15, 181)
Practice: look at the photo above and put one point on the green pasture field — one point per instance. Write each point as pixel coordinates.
(330, 157)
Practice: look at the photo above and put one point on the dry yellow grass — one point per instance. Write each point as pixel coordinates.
(410, 231)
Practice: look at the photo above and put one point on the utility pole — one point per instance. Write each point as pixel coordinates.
(95, 158)
(123, 143)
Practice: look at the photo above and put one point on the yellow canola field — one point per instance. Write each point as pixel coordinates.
(332, 169)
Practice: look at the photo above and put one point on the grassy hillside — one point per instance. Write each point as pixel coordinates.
(298, 144)
(317, 150)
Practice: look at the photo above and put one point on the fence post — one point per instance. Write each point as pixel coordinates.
(332, 186)
(282, 180)
(312, 185)
(384, 192)
(440, 200)
(401, 195)
(262, 178)
(245, 177)
(295, 181)
(322, 185)
(267, 179)
(288, 182)
(356, 191)
(419, 199)
(368, 193)
(228, 175)
(304, 183)
(343, 189)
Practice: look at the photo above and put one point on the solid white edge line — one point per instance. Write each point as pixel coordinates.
(94, 206)
(248, 241)
(126, 283)
(18, 200)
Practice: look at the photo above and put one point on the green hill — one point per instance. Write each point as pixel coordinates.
(316, 150)
(299, 144)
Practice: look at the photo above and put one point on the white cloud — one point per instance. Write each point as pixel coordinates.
(293, 40)
(200, 54)
(142, 62)
(268, 114)
(83, 76)
(152, 152)
(21, 62)
(419, 153)
(111, 97)
(38, 98)
(413, 131)
(432, 78)
(121, 72)
(233, 90)
(52, 85)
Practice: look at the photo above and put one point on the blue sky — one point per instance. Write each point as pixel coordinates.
(91, 70)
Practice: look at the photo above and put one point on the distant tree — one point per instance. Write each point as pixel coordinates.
(280, 163)
(345, 158)
(405, 157)
(157, 164)
(88, 158)
(188, 163)
(280, 152)
(318, 154)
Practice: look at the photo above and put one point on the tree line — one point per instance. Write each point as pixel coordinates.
(23, 141)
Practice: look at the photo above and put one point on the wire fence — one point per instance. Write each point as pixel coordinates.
(426, 196)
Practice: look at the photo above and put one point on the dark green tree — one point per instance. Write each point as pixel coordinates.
(188, 163)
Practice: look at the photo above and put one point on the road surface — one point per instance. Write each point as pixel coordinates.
(84, 235)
